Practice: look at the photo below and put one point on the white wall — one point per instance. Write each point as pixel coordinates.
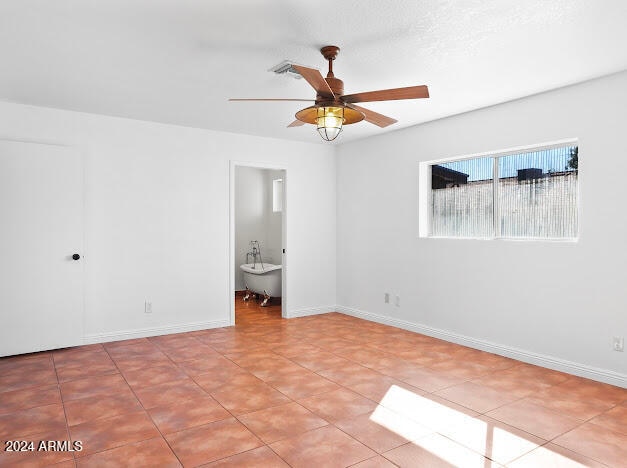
(157, 217)
(560, 303)
(254, 218)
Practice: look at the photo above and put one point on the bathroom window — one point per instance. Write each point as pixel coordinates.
(530, 194)
(277, 195)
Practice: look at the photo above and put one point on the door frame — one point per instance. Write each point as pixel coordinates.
(259, 165)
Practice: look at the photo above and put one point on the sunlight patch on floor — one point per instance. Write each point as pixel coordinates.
(394, 422)
(413, 416)
(422, 409)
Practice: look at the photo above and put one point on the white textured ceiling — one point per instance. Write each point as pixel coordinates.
(177, 61)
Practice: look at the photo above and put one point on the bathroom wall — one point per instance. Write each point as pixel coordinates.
(274, 244)
(254, 218)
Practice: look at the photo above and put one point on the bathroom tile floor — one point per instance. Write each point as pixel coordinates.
(326, 390)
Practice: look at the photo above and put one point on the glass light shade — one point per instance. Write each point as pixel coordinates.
(329, 122)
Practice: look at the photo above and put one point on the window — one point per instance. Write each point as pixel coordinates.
(530, 194)
(277, 195)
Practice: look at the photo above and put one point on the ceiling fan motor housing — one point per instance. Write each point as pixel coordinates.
(336, 85)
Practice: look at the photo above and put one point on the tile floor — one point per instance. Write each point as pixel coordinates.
(327, 390)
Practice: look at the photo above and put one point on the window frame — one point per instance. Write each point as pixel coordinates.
(425, 199)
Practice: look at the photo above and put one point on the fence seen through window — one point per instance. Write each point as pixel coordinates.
(527, 195)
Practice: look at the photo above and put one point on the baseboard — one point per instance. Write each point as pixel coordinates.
(582, 370)
(310, 311)
(155, 331)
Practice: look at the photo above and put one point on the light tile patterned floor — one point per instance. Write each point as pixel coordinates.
(327, 390)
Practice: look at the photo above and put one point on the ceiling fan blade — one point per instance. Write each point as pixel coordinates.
(264, 99)
(379, 120)
(316, 80)
(296, 123)
(412, 92)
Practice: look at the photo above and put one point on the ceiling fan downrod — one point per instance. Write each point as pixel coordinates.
(330, 53)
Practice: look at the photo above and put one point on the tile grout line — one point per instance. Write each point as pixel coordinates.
(67, 423)
(209, 394)
(265, 445)
(145, 411)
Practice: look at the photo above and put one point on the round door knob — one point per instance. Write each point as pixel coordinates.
(76, 257)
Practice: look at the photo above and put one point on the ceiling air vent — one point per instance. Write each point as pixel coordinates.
(285, 68)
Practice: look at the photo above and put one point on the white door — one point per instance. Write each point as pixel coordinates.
(41, 228)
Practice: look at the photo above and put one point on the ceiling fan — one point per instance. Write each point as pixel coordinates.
(333, 109)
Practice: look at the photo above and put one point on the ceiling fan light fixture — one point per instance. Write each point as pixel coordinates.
(329, 121)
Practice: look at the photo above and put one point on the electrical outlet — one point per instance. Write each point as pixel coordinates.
(386, 298)
(397, 301)
(618, 343)
(148, 307)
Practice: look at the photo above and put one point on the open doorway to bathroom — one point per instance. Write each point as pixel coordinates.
(258, 228)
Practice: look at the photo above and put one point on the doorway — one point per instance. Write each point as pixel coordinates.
(258, 213)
